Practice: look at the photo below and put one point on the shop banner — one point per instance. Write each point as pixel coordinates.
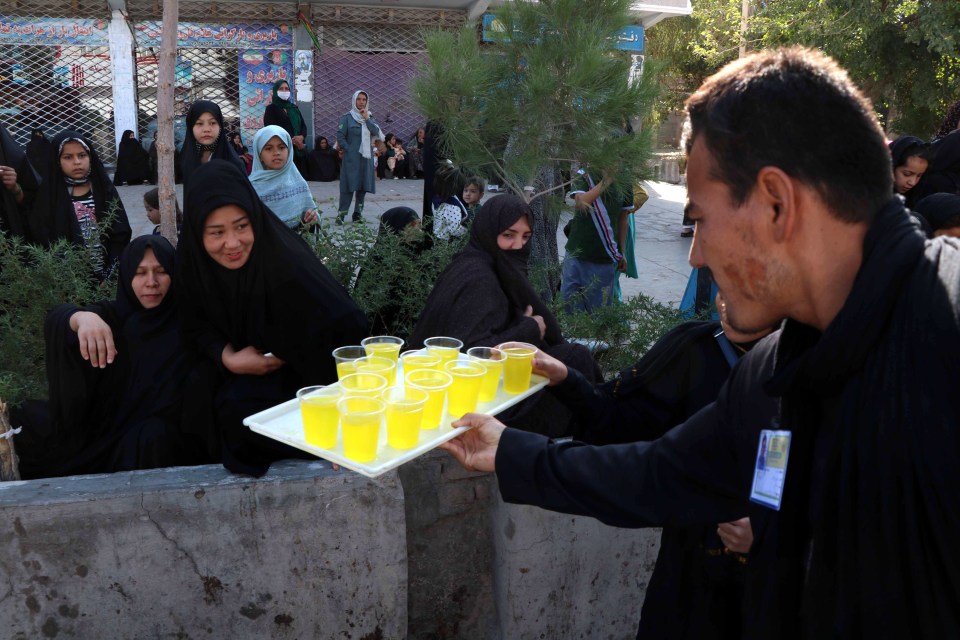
(225, 36)
(630, 39)
(259, 70)
(57, 31)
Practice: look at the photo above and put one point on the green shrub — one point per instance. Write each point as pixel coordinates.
(32, 281)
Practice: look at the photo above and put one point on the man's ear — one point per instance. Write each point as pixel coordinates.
(778, 194)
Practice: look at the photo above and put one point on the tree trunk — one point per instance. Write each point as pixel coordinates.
(165, 141)
(8, 456)
(544, 255)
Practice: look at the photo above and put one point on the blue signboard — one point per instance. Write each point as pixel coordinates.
(57, 31)
(630, 39)
(225, 36)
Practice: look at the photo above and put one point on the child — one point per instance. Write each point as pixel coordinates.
(473, 190)
(379, 158)
(277, 181)
(449, 213)
(151, 202)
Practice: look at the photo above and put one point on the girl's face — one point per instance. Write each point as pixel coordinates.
(153, 214)
(274, 154)
(206, 129)
(391, 140)
(471, 194)
(907, 175)
(74, 160)
(421, 135)
(514, 237)
(151, 282)
(323, 143)
(228, 236)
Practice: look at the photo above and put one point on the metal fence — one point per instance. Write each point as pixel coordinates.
(55, 70)
(375, 49)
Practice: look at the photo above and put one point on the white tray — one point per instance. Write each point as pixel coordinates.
(284, 424)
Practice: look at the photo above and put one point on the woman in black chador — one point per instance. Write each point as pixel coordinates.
(206, 139)
(115, 371)
(133, 161)
(18, 187)
(323, 163)
(77, 198)
(37, 149)
(260, 309)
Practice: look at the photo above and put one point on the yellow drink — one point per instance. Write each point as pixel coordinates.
(417, 361)
(491, 379)
(380, 366)
(345, 368)
(446, 348)
(363, 384)
(318, 409)
(403, 414)
(518, 367)
(383, 347)
(465, 389)
(320, 421)
(435, 383)
(360, 420)
(492, 361)
(346, 357)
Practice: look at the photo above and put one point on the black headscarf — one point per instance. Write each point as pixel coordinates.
(133, 161)
(938, 208)
(322, 162)
(37, 149)
(943, 174)
(11, 212)
(53, 215)
(900, 146)
(283, 300)
(92, 411)
(395, 220)
(950, 121)
(482, 254)
(190, 152)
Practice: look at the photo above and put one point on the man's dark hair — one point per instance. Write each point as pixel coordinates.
(797, 110)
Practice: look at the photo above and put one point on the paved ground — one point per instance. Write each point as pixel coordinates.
(661, 252)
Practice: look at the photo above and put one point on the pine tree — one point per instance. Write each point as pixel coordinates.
(550, 93)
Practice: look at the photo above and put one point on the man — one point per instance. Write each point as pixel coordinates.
(855, 513)
(594, 256)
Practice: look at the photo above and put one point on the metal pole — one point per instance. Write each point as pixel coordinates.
(744, 14)
(165, 103)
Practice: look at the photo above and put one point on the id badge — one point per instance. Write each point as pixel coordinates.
(771, 469)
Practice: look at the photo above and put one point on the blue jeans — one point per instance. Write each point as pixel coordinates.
(586, 285)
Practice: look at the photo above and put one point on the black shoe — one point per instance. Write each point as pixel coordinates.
(339, 220)
(358, 218)
(686, 233)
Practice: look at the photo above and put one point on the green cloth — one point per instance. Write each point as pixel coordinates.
(293, 112)
(584, 242)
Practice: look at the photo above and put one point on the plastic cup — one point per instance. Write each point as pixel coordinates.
(447, 348)
(517, 367)
(492, 360)
(435, 383)
(383, 347)
(363, 384)
(418, 359)
(345, 357)
(465, 388)
(318, 408)
(404, 413)
(360, 419)
(381, 366)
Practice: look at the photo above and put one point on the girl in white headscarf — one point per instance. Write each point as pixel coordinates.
(355, 135)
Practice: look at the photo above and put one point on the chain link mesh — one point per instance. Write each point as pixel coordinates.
(375, 49)
(64, 81)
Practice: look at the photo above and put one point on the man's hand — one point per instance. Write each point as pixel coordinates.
(249, 361)
(546, 365)
(96, 338)
(622, 265)
(528, 312)
(737, 535)
(476, 449)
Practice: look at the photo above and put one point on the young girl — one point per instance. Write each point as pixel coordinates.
(260, 310)
(396, 157)
(76, 198)
(205, 139)
(277, 181)
(910, 157)
(449, 212)
(151, 202)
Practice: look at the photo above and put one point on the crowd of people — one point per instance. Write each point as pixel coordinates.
(791, 450)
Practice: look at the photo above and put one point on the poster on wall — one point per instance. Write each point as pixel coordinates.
(259, 69)
(304, 77)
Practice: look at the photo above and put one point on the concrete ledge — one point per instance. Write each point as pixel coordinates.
(303, 552)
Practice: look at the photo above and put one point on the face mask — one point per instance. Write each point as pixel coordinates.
(283, 95)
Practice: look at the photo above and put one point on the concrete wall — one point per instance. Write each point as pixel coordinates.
(427, 552)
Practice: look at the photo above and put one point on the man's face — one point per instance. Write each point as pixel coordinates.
(736, 243)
